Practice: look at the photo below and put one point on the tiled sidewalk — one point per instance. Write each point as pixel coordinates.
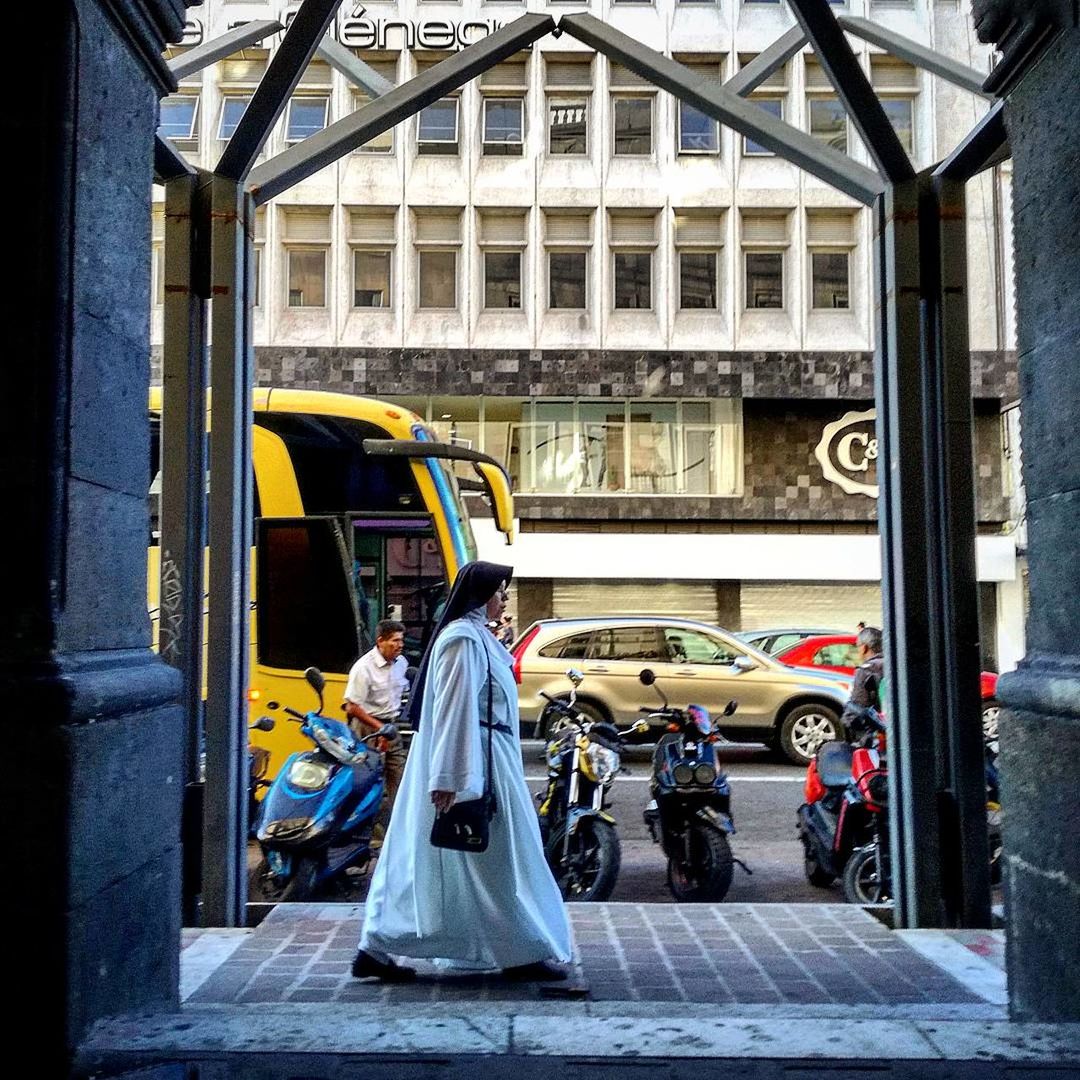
(723, 954)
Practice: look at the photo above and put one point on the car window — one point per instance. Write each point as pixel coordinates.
(836, 656)
(569, 648)
(782, 642)
(626, 643)
(692, 647)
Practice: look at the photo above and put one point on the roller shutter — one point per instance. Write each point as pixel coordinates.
(585, 599)
(799, 603)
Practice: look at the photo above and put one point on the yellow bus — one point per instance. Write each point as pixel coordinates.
(358, 516)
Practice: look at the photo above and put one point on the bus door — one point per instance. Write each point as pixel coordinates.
(398, 573)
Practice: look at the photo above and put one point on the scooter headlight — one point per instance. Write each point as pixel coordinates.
(603, 763)
(704, 774)
(683, 773)
(309, 775)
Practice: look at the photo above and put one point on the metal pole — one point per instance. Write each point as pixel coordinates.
(911, 700)
(183, 489)
(230, 505)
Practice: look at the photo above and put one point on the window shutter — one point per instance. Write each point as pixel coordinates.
(624, 78)
(260, 224)
(570, 73)
(317, 73)
(246, 68)
(371, 227)
(567, 228)
(502, 228)
(438, 228)
(764, 229)
(816, 79)
(706, 230)
(307, 225)
(707, 69)
(836, 227)
(778, 80)
(633, 229)
(887, 73)
(510, 75)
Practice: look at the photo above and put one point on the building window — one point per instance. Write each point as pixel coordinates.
(633, 126)
(830, 239)
(307, 115)
(568, 238)
(566, 279)
(502, 240)
(307, 242)
(257, 300)
(568, 81)
(437, 238)
(698, 133)
(897, 85)
(699, 238)
(828, 122)
(157, 255)
(232, 109)
(180, 118)
(260, 243)
(372, 236)
(384, 143)
(770, 95)
(632, 266)
(504, 126)
(568, 126)
(437, 128)
(764, 238)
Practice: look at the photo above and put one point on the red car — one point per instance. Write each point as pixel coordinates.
(836, 652)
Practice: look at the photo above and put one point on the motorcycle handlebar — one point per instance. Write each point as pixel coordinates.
(294, 714)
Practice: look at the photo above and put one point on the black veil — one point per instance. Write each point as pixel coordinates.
(475, 585)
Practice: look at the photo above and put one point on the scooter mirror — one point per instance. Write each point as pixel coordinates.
(315, 679)
(640, 726)
(730, 707)
(575, 676)
(646, 677)
(264, 723)
(389, 731)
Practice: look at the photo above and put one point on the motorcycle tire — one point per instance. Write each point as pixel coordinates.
(708, 877)
(861, 884)
(596, 844)
(816, 874)
(301, 885)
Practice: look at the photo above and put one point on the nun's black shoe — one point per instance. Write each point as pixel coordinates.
(365, 966)
(541, 971)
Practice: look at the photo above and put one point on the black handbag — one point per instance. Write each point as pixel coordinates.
(467, 826)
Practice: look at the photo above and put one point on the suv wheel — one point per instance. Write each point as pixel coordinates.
(805, 728)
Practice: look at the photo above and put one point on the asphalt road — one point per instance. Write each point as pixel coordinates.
(765, 793)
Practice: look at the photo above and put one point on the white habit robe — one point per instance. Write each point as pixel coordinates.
(494, 909)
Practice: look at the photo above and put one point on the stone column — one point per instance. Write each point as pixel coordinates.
(1040, 727)
(92, 735)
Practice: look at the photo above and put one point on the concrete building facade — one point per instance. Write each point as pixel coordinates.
(665, 333)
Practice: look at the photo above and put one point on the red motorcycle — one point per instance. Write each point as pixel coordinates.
(843, 822)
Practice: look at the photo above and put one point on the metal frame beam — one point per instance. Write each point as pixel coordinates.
(986, 145)
(169, 163)
(272, 94)
(717, 101)
(325, 147)
(749, 78)
(210, 52)
(853, 87)
(903, 48)
(353, 68)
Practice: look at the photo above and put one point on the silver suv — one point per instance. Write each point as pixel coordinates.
(792, 709)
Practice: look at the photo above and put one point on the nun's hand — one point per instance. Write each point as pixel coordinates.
(442, 800)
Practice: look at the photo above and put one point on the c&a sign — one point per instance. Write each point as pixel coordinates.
(848, 453)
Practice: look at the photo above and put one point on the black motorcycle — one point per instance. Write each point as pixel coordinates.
(690, 812)
(583, 758)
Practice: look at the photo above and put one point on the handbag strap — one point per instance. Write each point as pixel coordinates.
(488, 788)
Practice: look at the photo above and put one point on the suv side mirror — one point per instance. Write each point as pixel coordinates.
(743, 663)
(647, 677)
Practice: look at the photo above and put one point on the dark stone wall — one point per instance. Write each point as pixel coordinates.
(1040, 728)
(93, 808)
(596, 373)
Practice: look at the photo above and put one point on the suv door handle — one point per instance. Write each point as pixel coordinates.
(685, 671)
(596, 669)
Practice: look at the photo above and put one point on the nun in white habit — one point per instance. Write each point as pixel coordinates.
(480, 911)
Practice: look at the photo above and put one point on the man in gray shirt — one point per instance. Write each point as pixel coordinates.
(373, 696)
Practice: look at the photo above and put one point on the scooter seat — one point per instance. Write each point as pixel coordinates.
(834, 763)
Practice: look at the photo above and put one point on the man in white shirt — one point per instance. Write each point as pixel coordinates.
(373, 696)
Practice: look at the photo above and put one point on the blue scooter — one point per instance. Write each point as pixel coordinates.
(316, 819)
